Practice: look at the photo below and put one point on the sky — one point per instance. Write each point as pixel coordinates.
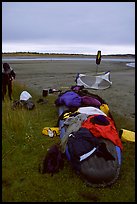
(69, 27)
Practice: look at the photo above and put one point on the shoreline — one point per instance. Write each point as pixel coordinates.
(31, 54)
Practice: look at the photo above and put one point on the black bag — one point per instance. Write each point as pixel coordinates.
(29, 104)
(53, 161)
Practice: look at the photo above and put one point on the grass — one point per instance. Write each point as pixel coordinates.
(24, 146)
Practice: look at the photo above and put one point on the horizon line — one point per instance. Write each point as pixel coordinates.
(29, 52)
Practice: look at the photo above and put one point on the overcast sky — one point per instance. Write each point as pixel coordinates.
(69, 27)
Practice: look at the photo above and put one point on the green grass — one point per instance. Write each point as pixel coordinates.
(24, 146)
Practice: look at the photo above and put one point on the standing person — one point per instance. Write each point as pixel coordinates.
(8, 75)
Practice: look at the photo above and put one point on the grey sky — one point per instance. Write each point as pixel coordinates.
(70, 27)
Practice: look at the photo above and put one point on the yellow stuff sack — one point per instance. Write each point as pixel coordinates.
(105, 108)
(127, 135)
(55, 130)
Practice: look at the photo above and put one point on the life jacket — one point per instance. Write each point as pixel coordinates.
(108, 131)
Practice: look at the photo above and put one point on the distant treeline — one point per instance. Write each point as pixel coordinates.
(60, 54)
(36, 53)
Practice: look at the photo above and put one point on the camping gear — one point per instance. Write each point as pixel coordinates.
(89, 110)
(98, 59)
(24, 96)
(105, 108)
(53, 161)
(51, 131)
(101, 81)
(69, 98)
(96, 159)
(27, 104)
(45, 92)
(88, 100)
(24, 102)
(98, 81)
(53, 91)
(127, 135)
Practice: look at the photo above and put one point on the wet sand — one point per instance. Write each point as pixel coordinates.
(58, 74)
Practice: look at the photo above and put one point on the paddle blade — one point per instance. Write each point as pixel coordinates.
(98, 57)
